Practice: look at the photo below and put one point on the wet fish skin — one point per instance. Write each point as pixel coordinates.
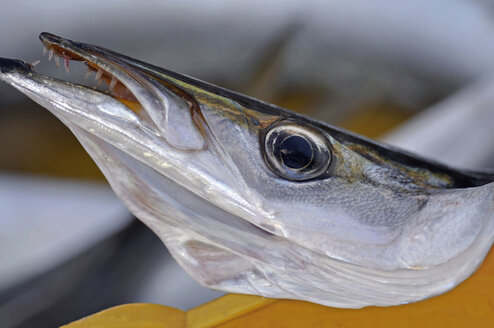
(379, 227)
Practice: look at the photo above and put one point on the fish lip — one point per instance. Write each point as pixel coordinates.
(8, 65)
(50, 40)
(47, 37)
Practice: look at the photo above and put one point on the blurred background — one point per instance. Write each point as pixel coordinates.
(414, 73)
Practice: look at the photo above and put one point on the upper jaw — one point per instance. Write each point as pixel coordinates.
(110, 68)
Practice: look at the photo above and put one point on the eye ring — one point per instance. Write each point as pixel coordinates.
(295, 151)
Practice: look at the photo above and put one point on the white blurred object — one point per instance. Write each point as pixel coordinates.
(45, 222)
(458, 131)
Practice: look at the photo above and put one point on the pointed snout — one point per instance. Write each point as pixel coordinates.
(8, 65)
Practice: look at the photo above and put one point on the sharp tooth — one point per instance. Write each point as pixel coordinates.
(66, 63)
(113, 83)
(98, 74)
(45, 50)
(50, 54)
(57, 61)
(34, 63)
(87, 74)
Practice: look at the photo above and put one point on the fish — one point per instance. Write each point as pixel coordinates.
(252, 198)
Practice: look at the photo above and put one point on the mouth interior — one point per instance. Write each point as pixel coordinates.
(112, 86)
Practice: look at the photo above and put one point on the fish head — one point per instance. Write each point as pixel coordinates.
(250, 197)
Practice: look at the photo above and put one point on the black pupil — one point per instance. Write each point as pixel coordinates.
(296, 152)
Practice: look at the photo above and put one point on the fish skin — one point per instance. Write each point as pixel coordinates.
(379, 227)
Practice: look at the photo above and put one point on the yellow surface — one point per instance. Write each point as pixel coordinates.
(227, 307)
(469, 305)
(134, 316)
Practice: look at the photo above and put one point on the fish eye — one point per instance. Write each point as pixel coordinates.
(296, 152)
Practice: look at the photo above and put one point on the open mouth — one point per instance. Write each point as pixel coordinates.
(104, 69)
(160, 102)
